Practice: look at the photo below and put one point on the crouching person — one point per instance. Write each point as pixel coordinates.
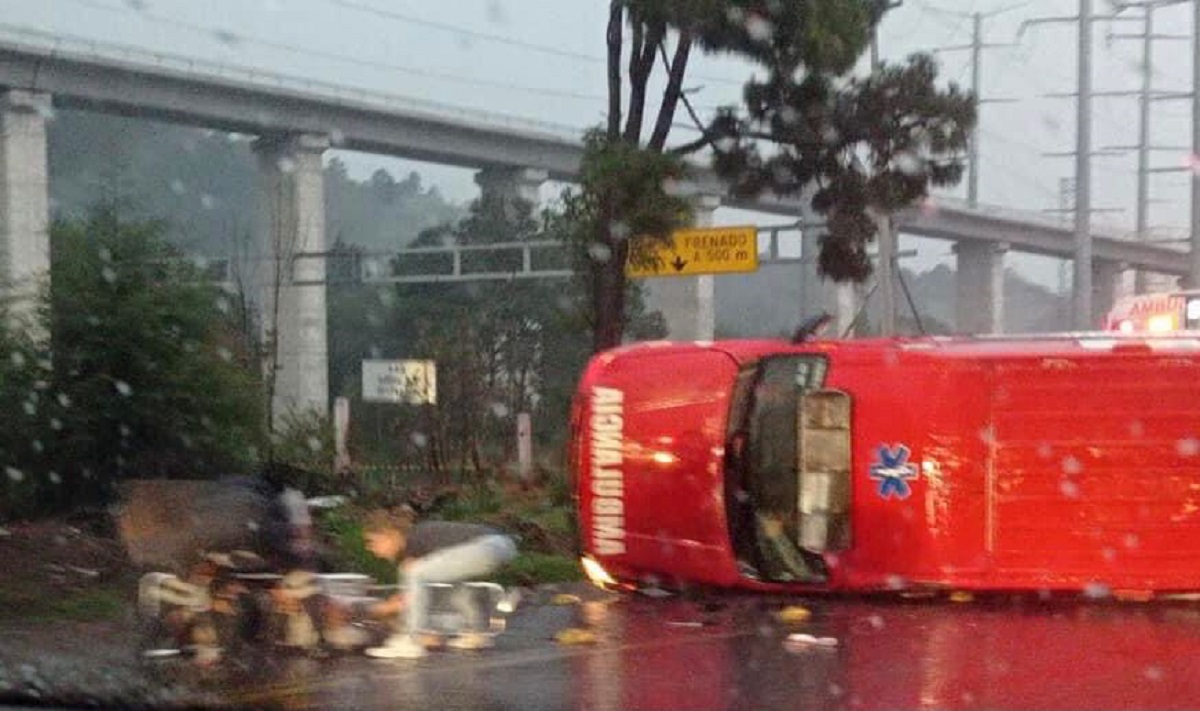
(430, 552)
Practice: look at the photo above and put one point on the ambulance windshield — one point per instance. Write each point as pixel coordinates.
(761, 464)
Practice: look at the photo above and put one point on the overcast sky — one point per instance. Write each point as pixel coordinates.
(543, 60)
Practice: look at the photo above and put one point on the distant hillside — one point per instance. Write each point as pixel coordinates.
(205, 184)
(768, 303)
(1028, 307)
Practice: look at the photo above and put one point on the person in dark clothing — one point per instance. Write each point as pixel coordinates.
(430, 552)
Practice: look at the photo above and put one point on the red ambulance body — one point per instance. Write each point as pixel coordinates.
(1046, 462)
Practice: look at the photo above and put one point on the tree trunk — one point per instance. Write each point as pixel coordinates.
(615, 21)
(608, 296)
(640, 64)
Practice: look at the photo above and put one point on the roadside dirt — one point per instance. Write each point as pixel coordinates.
(67, 624)
(48, 563)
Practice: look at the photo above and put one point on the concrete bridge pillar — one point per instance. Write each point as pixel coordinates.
(687, 302)
(24, 199)
(980, 287)
(290, 274)
(511, 184)
(1108, 285)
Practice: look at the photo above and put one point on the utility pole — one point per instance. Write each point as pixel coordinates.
(973, 155)
(1143, 175)
(886, 235)
(1194, 245)
(1066, 204)
(1082, 282)
(1082, 317)
(976, 49)
(1145, 98)
(1143, 154)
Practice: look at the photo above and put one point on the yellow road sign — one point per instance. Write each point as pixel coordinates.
(710, 250)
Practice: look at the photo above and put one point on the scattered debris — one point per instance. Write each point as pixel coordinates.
(793, 614)
(327, 502)
(798, 641)
(1133, 595)
(656, 593)
(575, 635)
(565, 599)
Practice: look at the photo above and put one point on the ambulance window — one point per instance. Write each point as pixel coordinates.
(790, 374)
(741, 398)
(810, 372)
(1192, 315)
(771, 426)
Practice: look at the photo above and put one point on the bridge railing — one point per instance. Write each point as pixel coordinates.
(74, 47)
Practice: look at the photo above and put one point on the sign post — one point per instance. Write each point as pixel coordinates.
(709, 250)
(524, 446)
(341, 428)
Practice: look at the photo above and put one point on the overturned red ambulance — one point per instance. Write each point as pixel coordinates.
(1064, 462)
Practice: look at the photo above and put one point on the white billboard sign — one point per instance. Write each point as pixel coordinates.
(413, 382)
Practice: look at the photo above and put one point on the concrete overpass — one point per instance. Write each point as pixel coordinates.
(298, 120)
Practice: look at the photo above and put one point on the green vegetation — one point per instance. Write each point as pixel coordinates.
(143, 374)
(342, 530)
(540, 568)
(100, 602)
(92, 605)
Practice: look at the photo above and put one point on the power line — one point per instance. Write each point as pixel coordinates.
(496, 38)
(1038, 80)
(463, 32)
(232, 39)
(1024, 175)
(941, 16)
(976, 49)
(959, 13)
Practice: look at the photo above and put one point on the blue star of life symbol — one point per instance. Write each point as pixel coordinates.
(892, 471)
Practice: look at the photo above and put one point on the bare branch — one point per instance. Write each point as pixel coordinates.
(675, 73)
(691, 146)
(636, 43)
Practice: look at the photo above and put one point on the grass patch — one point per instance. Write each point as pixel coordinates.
(559, 520)
(538, 568)
(343, 529)
(97, 605)
(101, 603)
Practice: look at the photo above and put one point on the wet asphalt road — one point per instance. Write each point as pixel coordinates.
(730, 652)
